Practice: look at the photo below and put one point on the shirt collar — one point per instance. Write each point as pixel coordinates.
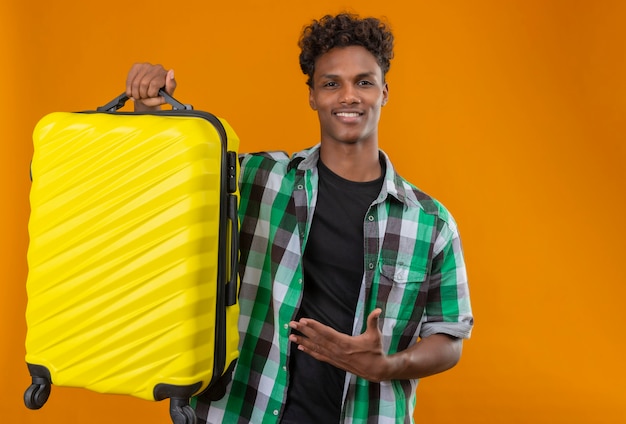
(393, 184)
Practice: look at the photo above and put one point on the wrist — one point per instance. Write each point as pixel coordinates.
(392, 369)
(386, 369)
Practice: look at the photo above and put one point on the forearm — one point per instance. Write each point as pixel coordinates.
(364, 356)
(431, 355)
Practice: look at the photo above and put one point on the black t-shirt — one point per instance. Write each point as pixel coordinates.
(333, 270)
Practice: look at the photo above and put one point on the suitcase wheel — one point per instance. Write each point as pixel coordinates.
(181, 412)
(37, 393)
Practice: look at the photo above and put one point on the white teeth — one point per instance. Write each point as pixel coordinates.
(348, 114)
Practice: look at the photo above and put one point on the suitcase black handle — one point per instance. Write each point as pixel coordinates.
(231, 187)
(231, 286)
(121, 100)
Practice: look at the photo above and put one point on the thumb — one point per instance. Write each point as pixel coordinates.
(170, 82)
(372, 320)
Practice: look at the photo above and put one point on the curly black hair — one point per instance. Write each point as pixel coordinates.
(343, 30)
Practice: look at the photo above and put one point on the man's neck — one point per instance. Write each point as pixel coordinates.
(354, 162)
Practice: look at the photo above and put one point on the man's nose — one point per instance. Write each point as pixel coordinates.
(349, 95)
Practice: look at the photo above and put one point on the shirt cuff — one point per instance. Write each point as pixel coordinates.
(454, 329)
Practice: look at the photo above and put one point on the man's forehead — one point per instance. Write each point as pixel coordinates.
(347, 61)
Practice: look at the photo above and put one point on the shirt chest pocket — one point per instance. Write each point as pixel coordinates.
(402, 289)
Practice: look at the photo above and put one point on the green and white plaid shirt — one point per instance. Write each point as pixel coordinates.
(414, 271)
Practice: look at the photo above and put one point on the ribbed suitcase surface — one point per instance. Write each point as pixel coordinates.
(124, 240)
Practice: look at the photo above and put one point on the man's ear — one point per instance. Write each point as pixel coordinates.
(385, 94)
(312, 100)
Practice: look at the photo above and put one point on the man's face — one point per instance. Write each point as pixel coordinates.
(348, 92)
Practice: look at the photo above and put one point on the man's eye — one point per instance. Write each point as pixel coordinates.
(364, 82)
(330, 84)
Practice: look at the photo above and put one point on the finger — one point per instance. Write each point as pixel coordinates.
(310, 327)
(129, 79)
(304, 344)
(313, 349)
(152, 102)
(133, 79)
(151, 82)
(170, 82)
(307, 338)
(144, 80)
(372, 319)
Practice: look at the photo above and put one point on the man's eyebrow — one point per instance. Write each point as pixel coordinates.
(361, 75)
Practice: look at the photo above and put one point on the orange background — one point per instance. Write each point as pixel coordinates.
(512, 113)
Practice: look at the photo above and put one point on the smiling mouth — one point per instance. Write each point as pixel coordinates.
(348, 114)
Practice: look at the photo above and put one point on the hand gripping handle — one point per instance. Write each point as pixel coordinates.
(121, 100)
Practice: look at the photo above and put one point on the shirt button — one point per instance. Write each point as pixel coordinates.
(285, 368)
(300, 186)
(370, 218)
(275, 411)
(286, 326)
(371, 265)
(300, 281)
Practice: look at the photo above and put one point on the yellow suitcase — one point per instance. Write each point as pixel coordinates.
(132, 282)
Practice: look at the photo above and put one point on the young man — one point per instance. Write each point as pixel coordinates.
(353, 284)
